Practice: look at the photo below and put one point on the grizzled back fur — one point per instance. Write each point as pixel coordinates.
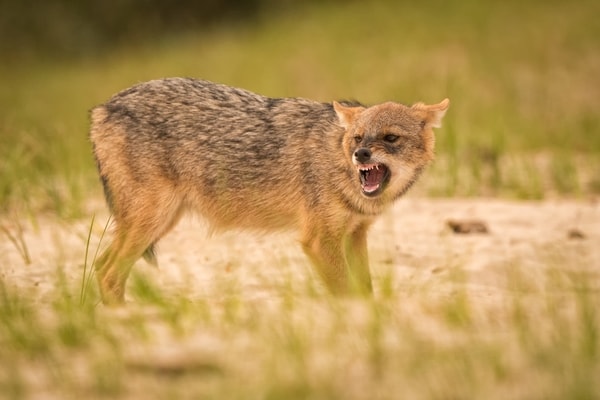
(234, 148)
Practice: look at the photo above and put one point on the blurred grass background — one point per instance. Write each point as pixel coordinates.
(523, 78)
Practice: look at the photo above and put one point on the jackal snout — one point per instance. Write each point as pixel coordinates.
(373, 175)
(362, 155)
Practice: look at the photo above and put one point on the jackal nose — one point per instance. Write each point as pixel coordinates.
(362, 155)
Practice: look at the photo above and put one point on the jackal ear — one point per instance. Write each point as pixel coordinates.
(346, 115)
(433, 113)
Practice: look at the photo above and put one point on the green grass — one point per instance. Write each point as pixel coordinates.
(538, 340)
(523, 79)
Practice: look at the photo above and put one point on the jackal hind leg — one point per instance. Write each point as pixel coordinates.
(133, 236)
(114, 265)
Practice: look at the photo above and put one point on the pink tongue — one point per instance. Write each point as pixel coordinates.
(373, 179)
(370, 188)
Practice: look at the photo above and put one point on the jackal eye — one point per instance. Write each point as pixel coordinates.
(390, 138)
(357, 139)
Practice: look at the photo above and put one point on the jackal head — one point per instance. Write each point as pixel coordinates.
(389, 144)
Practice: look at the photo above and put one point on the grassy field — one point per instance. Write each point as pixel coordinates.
(524, 82)
(298, 345)
(513, 314)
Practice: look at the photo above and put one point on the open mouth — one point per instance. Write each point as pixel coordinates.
(373, 177)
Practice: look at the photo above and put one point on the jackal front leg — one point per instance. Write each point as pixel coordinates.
(355, 247)
(342, 261)
(326, 254)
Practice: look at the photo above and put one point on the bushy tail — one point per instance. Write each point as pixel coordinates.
(150, 256)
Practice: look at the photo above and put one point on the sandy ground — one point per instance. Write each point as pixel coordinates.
(411, 247)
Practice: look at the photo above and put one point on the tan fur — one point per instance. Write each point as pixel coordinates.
(246, 161)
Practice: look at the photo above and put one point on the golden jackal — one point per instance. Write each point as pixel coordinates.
(242, 160)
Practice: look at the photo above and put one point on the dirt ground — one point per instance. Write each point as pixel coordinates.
(411, 246)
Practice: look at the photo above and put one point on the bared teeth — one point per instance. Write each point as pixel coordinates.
(369, 168)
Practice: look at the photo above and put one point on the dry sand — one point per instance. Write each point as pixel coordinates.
(410, 247)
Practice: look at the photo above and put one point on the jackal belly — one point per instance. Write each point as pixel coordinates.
(265, 210)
